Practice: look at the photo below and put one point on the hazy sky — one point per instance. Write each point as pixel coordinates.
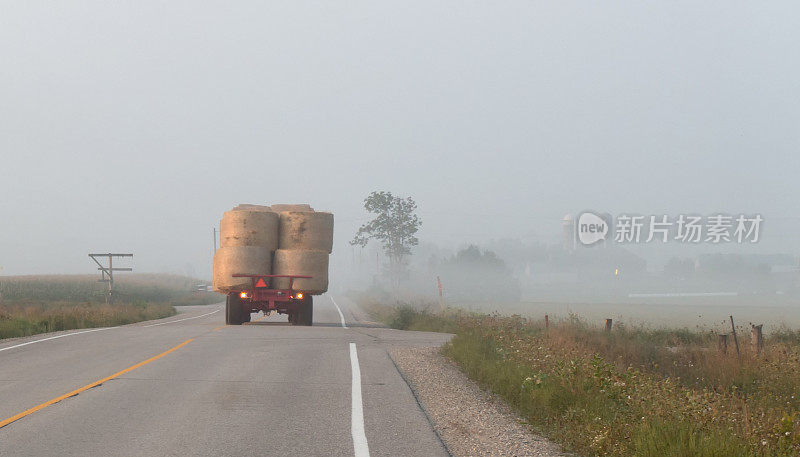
(131, 126)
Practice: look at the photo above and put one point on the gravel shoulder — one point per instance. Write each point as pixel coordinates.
(469, 420)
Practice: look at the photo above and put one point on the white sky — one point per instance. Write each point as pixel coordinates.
(131, 126)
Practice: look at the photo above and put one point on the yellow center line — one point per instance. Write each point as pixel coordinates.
(89, 386)
(219, 328)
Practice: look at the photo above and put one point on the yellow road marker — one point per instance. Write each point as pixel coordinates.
(219, 328)
(89, 386)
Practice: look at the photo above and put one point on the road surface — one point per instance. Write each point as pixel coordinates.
(189, 385)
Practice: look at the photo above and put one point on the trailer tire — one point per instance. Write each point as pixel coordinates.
(306, 315)
(233, 310)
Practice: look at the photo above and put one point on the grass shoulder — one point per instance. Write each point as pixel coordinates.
(634, 391)
(31, 305)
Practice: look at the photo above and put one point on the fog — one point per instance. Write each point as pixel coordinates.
(132, 126)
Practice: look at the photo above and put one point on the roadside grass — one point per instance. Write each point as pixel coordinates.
(129, 288)
(633, 391)
(407, 316)
(38, 304)
(25, 320)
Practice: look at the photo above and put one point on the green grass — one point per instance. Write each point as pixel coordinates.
(632, 392)
(407, 317)
(572, 407)
(25, 320)
(39, 304)
(666, 439)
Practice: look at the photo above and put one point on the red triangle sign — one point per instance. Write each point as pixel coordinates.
(261, 283)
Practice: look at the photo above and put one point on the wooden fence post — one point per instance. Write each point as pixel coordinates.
(609, 322)
(722, 343)
(736, 341)
(546, 321)
(757, 338)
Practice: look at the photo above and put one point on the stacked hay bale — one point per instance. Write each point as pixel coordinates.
(292, 207)
(280, 240)
(249, 207)
(248, 238)
(305, 241)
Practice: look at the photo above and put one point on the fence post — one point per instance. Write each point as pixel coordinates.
(736, 341)
(441, 297)
(722, 343)
(609, 322)
(757, 338)
(546, 321)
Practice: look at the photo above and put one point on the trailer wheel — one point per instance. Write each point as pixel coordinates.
(306, 314)
(233, 310)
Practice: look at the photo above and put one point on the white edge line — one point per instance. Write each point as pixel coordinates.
(341, 316)
(181, 320)
(360, 446)
(55, 337)
(685, 294)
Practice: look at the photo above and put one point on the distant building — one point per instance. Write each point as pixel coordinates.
(568, 233)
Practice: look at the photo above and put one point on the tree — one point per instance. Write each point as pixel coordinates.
(475, 275)
(472, 256)
(394, 225)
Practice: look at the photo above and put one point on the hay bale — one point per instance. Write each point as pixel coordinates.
(249, 228)
(304, 230)
(231, 260)
(295, 207)
(249, 207)
(302, 262)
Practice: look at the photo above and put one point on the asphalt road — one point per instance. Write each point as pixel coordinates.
(193, 386)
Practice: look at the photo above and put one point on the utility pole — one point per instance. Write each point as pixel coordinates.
(215, 240)
(109, 272)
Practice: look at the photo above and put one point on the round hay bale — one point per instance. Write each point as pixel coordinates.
(249, 228)
(231, 260)
(303, 230)
(295, 207)
(249, 207)
(305, 262)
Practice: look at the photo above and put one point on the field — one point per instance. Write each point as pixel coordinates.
(706, 314)
(38, 304)
(633, 391)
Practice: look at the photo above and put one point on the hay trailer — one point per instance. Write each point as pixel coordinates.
(260, 297)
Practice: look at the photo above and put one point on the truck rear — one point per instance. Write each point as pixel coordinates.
(272, 261)
(260, 297)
